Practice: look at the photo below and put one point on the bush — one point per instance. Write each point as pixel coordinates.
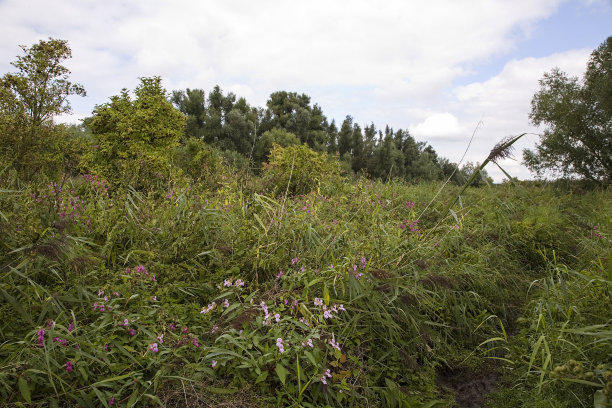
(299, 169)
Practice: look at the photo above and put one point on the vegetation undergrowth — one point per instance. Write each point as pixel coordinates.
(233, 292)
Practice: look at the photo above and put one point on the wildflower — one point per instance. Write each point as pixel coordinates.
(153, 347)
(213, 364)
(160, 338)
(127, 271)
(41, 337)
(308, 343)
(304, 321)
(318, 302)
(239, 282)
(279, 275)
(95, 306)
(227, 283)
(68, 366)
(341, 307)
(277, 317)
(116, 294)
(185, 330)
(323, 380)
(153, 278)
(328, 373)
(195, 342)
(295, 260)
(106, 298)
(100, 292)
(102, 308)
(106, 347)
(172, 327)
(70, 327)
(51, 323)
(327, 314)
(154, 298)
(363, 263)
(126, 323)
(354, 268)
(334, 344)
(63, 342)
(279, 344)
(214, 329)
(208, 308)
(132, 332)
(358, 275)
(111, 401)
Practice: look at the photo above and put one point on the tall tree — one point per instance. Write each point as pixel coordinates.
(577, 140)
(345, 136)
(135, 137)
(30, 98)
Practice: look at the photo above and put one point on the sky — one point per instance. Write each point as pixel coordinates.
(443, 69)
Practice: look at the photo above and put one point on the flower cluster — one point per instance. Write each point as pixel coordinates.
(326, 374)
(100, 185)
(412, 225)
(41, 337)
(229, 283)
(208, 308)
(280, 345)
(63, 342)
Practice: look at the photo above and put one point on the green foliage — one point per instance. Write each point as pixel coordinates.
(578, 116)
(29, 100)
(267, 141)
(135, 138)
(299, 170)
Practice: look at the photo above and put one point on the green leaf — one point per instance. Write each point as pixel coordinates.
(133, 399)
(261, 377)
(24, 389)
(282, 372)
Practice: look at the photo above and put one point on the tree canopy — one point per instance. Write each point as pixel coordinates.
(577, 114)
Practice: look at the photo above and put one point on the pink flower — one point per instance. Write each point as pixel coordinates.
(111, 401)
(132, 332)
(68, 366)
(226, 303)
(195, 342)
(227, 283)
(106, 347)
(239, 282)
(185, 330)
(160, 338)
(213, 364)
(153, 347)
(153, 278)
(277, 317)
(318, 302)
(279, 344)
(70, 327)
(172, 327)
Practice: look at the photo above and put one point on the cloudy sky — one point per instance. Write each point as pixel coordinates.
(436, 67)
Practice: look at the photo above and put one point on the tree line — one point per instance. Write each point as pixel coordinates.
(141, 136)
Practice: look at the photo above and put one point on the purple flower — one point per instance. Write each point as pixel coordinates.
(318, 302)
(195, 342)
(279, 344)
(132, 332)
(160, 338)
(213, 364)
(227, 283)
(68, 366)
(239, 282)
(70, 327)
(106, 347)
(111, 401)
(226, 303)
(295, 260)
(363, 263)
(279, 275)
(153, 347)
(172, 327)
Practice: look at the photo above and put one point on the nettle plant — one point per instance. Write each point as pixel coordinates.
(283, 335)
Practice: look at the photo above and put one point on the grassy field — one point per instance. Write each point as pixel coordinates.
(230, 293)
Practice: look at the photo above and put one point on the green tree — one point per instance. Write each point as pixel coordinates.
(578, 116)
(345, 136)
(135, 138)
(270, 138)
(29, 100)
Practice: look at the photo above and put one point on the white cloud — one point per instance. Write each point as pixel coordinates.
(438, 125)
